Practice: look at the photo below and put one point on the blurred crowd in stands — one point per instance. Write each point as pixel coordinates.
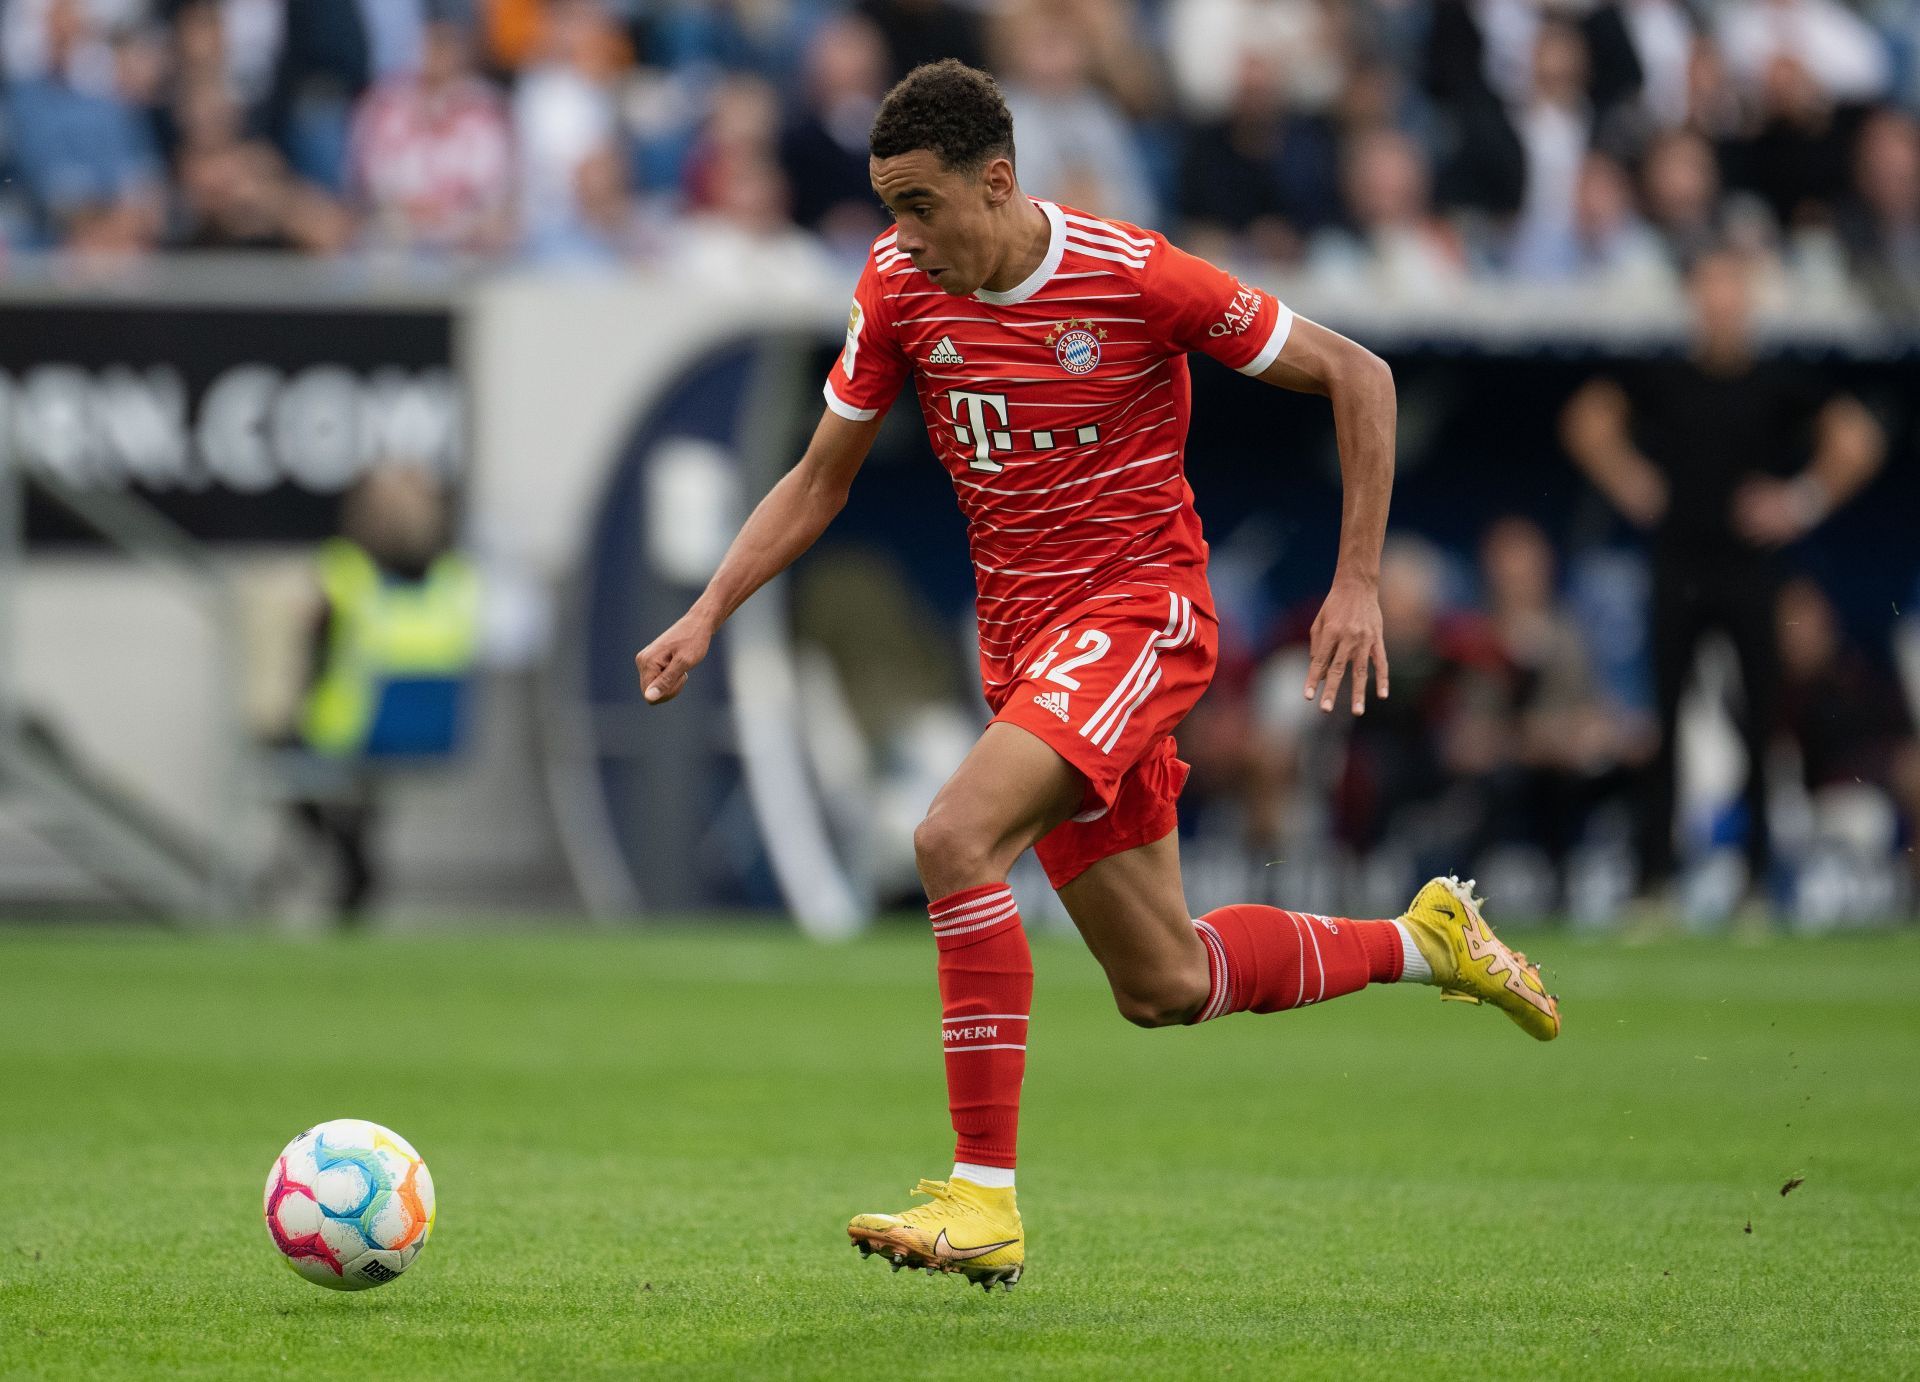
(1519, 741)
(1412, 143)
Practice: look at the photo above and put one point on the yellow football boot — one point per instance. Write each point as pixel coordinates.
(966, 1228)
(1471, 964)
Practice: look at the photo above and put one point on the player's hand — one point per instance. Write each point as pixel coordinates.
(665, 662)
(1346, 635)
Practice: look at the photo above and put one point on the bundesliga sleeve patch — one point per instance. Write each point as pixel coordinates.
(854, 318)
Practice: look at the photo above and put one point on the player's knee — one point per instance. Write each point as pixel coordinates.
(1167, 1001)
(950, 853)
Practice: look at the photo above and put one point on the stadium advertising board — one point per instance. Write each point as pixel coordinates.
(239, 423)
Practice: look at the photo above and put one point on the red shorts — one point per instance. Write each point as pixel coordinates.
(1104, 689)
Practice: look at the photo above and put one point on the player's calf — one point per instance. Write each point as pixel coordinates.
(1166, 999)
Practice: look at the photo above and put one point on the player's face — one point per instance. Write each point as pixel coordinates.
(946, 221)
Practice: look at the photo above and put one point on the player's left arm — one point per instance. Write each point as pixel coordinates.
(1359, 385)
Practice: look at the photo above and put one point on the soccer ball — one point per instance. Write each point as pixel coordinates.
(349, 1204)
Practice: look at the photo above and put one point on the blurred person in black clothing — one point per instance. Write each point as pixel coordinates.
(1846, 716)
(918, 31)
(1260, 174)
(823, 149)
(1482, 165)
(1710, 455)
(1795, 160)
(325, 64)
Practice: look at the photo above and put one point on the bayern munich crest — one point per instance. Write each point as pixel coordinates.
(1076, 345)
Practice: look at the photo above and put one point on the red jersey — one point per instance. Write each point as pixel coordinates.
(1060, 410)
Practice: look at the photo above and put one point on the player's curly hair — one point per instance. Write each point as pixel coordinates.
(950, 108)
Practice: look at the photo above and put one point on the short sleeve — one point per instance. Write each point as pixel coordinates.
(872, 367)
(1193, 305)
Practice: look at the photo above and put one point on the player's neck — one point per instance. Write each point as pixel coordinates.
(1029, 236)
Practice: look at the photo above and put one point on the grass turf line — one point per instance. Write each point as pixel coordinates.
(646, 1148)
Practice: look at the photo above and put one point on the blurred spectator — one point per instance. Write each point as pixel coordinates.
(72, 47)
(614, 227)
(87, 159)
(1510, 31)
(1397, 244)
(1710, 455)
(1607, 242)
(240, 195)
(738, 199)
(1418, 765)
(1074, 145)
(511, 31)
(1263, 175)
(432, 156)
(396, 32)
(1555, 125)
(920, 31)
(1795, 160)
(1480, 162)
(823, 149)
(1715, 107)
(1840, 51)
(239, 41)
(1210, 41)
(394, 643)
(565, 117)
(325, 64)
(1376, 96)
(1880, 225)
(1120, 63)
(1567, 744)
(1739, 122)
(741, 132)
(1680, 189)
(1655, 69)
(1847, 718)
(235, 191)
(745, 220)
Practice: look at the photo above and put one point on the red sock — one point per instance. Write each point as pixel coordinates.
(1261, 959)
(986, 992)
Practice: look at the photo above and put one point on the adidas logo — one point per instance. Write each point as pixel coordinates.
(1056, 701)
(945, 354)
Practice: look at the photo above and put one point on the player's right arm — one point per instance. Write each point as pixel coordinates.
(861, 388)
(782, 526)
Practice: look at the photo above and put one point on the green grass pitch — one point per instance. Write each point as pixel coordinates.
(646, 1148)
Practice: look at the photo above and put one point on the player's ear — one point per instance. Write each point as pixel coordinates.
(998, 179)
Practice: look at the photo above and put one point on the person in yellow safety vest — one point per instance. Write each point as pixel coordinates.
(392, 653)
(385, 630)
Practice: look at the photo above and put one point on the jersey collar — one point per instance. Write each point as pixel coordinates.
(1056, 250)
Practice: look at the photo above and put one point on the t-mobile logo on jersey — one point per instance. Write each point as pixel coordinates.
(987, 436)
(976, 432)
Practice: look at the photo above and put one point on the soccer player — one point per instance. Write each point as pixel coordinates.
(1049, 348)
